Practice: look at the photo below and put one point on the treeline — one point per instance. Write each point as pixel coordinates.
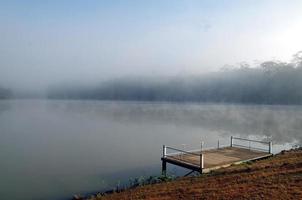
(5, 93)
(271, 82)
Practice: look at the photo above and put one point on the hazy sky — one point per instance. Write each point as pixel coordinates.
(51, 41)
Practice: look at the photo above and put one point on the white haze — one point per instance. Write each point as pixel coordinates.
(42, 44)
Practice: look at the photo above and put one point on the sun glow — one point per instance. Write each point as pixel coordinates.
(288, 41)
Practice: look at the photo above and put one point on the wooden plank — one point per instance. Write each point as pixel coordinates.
(229, 155)
(214, 158)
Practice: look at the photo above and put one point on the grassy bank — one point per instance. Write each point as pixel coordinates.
(279, 177)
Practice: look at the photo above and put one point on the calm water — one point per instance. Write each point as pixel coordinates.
(54, 149)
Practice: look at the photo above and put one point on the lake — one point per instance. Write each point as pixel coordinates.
(55, 149)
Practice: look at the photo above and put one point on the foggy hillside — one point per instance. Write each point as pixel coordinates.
(272, 82)
(5, 93)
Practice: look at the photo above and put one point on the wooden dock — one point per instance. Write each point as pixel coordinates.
(240, 150)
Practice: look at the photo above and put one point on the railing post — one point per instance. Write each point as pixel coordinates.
(201, 145)
(270, 147)
(183, 148)
(201, 161)
(231, 141)
(164, 151)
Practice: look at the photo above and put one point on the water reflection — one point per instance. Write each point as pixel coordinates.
(53, 149)
(282, 123)
(4, 106)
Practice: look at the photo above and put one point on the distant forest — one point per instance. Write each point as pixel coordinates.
(5, 93)
(271, 82)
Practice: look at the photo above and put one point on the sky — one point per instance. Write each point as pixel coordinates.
(46, 42)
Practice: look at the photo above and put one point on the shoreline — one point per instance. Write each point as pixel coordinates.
(278, 175)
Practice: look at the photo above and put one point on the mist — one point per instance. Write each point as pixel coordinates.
(272, 82)
(90, 91)
(58, 42)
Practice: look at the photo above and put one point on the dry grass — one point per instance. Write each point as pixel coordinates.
(279, 177)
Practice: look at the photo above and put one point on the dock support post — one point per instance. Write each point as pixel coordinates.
(164, 168)
(231, 141)
(270, 147)
(164, 163)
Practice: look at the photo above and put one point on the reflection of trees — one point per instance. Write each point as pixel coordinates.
(4, 106)
(283, 123)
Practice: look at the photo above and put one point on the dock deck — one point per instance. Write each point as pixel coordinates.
(206, 160)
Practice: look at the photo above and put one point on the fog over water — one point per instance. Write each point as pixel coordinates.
(91, 90)
(54, 149)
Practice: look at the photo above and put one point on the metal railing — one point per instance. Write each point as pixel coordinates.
(178, 154)
(249, 144)
(182, 154)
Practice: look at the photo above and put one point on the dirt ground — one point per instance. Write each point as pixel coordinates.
(278, 177)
